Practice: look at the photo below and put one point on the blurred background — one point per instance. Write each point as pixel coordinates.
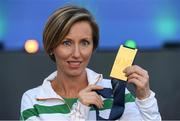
(152, 26)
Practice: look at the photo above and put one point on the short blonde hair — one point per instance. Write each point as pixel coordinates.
(59, 24)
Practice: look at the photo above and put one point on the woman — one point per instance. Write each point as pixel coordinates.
(70, 37)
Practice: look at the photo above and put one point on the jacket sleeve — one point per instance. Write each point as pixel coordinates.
(27, 112)
(149, 108)
(79, 112)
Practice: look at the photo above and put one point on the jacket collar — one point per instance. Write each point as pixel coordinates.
(47, 92)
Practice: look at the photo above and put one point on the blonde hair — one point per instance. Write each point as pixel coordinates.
(59, 24)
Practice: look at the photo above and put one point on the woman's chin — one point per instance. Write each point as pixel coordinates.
(74, 73)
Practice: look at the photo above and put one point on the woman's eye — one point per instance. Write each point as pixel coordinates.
(85, 43)
(66, 43)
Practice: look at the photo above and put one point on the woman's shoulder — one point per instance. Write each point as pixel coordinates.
(32, 93)
(42, 89)
(29, 98)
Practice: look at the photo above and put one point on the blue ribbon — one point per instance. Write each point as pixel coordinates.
(118, 94)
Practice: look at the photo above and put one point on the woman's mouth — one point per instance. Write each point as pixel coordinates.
(74, 64)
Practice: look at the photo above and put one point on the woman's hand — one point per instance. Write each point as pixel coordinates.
(140, 78)
(88, 96)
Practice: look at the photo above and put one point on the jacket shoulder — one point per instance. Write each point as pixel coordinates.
(33, 92)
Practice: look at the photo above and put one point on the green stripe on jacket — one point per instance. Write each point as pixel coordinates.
(41, 109)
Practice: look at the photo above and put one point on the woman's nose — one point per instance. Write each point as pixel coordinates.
(76, 51)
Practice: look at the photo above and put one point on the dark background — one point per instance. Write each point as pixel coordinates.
(21, 71)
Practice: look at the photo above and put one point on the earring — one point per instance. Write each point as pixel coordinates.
(51, 54)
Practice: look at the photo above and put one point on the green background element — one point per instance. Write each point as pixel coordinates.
(2, 25)
(130, 43)
(166, 26)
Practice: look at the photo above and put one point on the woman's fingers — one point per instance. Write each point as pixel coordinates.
(88, 96)
(98, 101)
(95, 99)
(93, 87)
(136, 69)
(140, 78)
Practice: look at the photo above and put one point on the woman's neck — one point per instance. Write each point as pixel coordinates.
(69, 87)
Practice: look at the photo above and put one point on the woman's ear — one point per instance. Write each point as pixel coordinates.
(51, 55)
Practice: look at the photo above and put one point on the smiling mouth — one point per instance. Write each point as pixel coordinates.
(74, 64)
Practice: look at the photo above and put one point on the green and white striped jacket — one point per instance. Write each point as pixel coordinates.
(43, 103)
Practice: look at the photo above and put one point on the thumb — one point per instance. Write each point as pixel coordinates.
(94, 87)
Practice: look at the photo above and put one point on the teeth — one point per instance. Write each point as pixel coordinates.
(74, 62)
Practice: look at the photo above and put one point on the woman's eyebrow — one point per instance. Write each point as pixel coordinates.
(69, 38)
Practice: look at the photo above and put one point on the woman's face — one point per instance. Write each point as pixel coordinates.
(74, 52)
